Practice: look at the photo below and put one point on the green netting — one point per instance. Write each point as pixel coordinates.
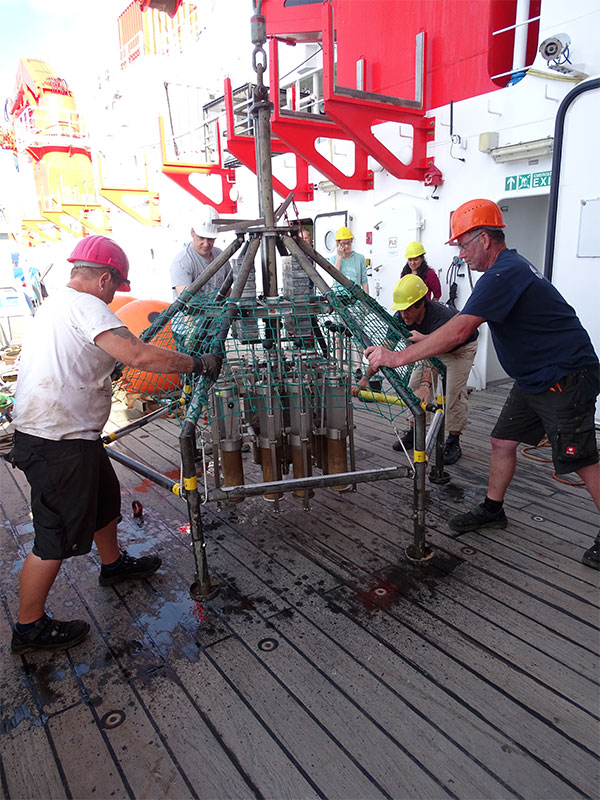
(290, 359)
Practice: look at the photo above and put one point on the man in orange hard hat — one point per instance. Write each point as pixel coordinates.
(62, 402)
(556, 385)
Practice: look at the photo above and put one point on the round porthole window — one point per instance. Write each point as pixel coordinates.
(330, 241)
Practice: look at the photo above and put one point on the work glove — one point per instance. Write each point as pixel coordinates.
(208, 365)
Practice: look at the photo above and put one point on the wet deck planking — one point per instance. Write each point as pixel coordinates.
(325, 667)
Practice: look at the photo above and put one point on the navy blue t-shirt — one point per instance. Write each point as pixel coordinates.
(537, 335)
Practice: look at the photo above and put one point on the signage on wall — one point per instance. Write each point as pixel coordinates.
(527, 180)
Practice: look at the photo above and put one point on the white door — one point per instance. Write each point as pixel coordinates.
(325, 227)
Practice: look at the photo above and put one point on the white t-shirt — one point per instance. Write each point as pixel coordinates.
(64, 387)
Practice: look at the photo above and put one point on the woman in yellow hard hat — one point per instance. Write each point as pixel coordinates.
(350, 263)
(417, 265)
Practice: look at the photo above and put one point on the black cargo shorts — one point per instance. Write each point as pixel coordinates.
(74, 492)
(564, 413)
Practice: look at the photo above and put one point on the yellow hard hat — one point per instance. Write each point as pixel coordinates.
(408, 291)
(343, 234)
(414, 250)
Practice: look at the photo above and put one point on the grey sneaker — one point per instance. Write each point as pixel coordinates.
(49, 634)
(591, 557)
(452, 451)
(129, 567)
(407, 439)
(477, 518)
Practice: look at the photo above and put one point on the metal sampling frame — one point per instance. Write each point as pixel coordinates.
(280, 435)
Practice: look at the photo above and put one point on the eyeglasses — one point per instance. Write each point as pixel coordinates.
(117, 277)
(464, 245)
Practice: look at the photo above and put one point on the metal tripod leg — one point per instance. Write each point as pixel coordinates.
(438, 474)
(205, 586)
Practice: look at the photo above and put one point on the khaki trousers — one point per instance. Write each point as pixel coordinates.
(458, 366)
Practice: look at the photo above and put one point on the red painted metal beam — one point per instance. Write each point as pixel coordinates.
(180, 172)
(301, 133)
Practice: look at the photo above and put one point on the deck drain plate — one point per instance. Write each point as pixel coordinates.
(112, 719)
(268, 644)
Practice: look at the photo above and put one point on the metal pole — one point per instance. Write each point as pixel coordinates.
(294, 247)
(316, 482)
(322, 262)
(205, 586)
(418, 550)
(146, 472)
(139, 423)
(433, 434)
(438, 474)
(261, 111)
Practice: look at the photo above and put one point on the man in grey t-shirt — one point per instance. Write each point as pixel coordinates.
(191, 262)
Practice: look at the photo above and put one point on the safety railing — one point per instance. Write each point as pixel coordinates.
(43, 126)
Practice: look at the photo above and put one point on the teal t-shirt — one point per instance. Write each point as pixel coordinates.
(354, 268)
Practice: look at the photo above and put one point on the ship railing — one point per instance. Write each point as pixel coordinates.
(132, 50)
(83, 193)
(520, 31)
(243, 120)
(305, 93)
(38, 127)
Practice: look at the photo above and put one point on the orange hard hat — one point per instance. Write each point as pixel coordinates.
(477, 213)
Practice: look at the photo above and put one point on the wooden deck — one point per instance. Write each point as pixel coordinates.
(325, 668)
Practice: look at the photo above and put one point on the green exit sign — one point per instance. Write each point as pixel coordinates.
(527, 180)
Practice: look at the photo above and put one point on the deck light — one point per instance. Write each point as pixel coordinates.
(523, 150)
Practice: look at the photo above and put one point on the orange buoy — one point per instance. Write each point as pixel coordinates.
(137, 316)
(140, 314)
(119, 300)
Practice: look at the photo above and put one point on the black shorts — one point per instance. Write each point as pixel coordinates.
(565, 414)
(74, 492)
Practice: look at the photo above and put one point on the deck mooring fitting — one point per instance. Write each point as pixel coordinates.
(425, 558)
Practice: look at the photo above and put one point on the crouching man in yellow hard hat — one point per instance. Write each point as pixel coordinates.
(540, 343)
(424, 316)
(350, 263)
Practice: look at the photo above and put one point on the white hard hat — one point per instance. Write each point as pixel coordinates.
(203, 222)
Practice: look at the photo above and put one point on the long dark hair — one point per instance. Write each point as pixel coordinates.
(421, 271)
